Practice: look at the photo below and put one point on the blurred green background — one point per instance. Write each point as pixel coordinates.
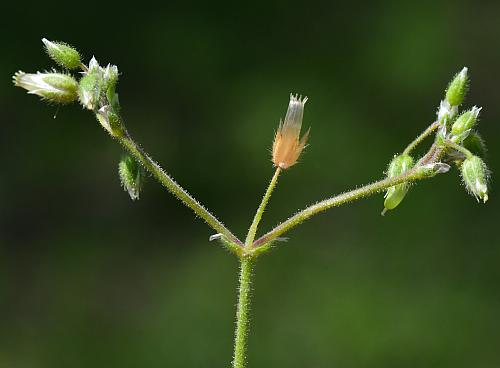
(89, 278)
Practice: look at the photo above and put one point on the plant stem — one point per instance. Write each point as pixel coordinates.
(411, 175)
(459, 148)
(421, 137)
(242, 313)
(258, 215)
(175, 188)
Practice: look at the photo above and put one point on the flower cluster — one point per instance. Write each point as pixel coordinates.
(456, 141)
(95, 90)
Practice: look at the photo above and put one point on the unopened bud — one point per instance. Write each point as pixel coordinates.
(63, 54)
(94, 65)
(89, 90)
(395, 194)
(465, 122)
(475, 176)
(111, 75)
(457, 89)
(446, 112)
(131, 176)
(55, 87)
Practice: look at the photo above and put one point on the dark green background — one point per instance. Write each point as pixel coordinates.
(89, 278)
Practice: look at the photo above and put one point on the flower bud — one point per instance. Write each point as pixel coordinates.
(131, 176)
(89, 90)
(286, 146)
(111, 75)
(465, 122)
(110, 78)
(457, 89)
(55, 87)
(395, 194)
(446, 112)
(63, 54)
(94, 65)
(475, 177)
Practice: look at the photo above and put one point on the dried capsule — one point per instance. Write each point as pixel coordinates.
(287, 147)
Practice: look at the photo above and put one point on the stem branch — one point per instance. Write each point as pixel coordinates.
(411, 175)
(459, 148)
(175, 188)
(258, 215)
(421, 137)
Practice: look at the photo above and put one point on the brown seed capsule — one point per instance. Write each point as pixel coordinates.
(287, 147)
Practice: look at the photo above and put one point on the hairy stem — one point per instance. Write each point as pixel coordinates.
(175, 188)
(421, 137)
(242, 313)
(411, 175)
(258, 215)
(459, 148)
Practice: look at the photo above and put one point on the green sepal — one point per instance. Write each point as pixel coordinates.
(131, 176)
(54, 87)
(475, 144)
(112, 97)
(89, 90)
(464, 123)
(395, 194)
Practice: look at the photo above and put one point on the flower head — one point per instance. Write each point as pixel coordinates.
(56, 87)
(287, 147)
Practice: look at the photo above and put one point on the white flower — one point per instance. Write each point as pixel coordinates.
(56, 87)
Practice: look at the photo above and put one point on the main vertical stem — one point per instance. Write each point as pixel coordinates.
(242, 313)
